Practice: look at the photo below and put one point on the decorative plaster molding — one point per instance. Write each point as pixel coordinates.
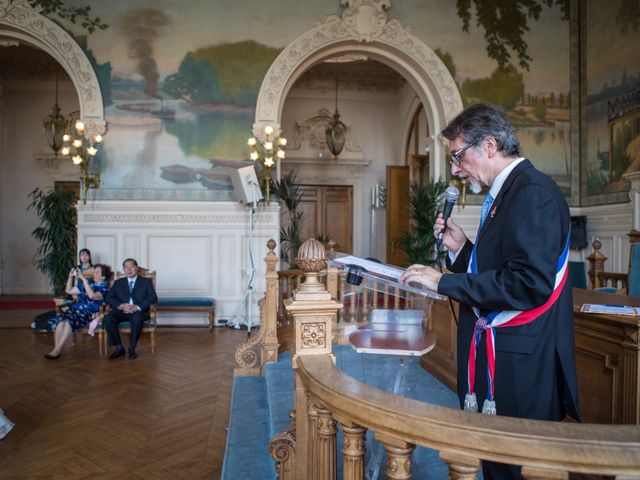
(230, 219)
(310, 134)
(363, 21)
(24, 22)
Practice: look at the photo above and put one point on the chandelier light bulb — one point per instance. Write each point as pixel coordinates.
(268, 162)
(280, 154)
(268, 145)
(268, 130)
(92, 150)
(77, 143)
(80, 126)
(65, 151)
(97, 138)
(254, 156)
(283, 141)
(76, 159)
(251, 142)
(66, 137)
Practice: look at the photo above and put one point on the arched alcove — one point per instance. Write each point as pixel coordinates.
(364, 28)
(19, 21)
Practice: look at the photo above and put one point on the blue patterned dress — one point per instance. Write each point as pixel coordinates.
(80, 313)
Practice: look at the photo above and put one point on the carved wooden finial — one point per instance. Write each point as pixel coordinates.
(597, 244)
(271, 245)
(311, 256)
(332, 245)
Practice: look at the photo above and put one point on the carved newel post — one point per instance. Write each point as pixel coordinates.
(313, 312)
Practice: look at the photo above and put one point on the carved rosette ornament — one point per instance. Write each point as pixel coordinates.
(247, 354)
(313, 335)
(47, 35)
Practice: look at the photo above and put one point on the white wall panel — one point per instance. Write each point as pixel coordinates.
(196, 248)
(103, 249)
(186, 264)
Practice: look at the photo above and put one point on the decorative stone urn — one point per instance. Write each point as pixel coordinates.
(312, 260)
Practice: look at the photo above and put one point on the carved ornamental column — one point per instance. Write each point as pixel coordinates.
(314, 313)
(353, 450)
(269, 353)
(398, 457)
(327, 466)
(461, 467)
(596, 264)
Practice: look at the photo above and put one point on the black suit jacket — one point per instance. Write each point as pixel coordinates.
(517, 253)
(143, 293)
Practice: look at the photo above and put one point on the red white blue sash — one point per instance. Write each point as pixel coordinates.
(505, 318)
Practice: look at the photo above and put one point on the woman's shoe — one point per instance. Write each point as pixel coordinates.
(48, 356)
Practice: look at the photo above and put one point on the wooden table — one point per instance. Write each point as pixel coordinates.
(394, 332)
(607, 354)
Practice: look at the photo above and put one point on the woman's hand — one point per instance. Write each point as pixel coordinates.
(454, 237)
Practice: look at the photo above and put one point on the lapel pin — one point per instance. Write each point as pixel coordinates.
(493, 212)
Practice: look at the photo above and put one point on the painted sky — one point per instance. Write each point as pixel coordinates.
(605, 64)
(195, 23)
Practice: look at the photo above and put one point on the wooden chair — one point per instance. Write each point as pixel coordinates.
(149, 325)
(610, 282)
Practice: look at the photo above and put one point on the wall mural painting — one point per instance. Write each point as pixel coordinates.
(499, 53)
(181, 85)
(613, 99)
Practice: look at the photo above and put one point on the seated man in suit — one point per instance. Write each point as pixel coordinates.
(129, 299)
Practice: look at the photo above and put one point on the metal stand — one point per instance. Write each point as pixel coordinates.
(247, 299)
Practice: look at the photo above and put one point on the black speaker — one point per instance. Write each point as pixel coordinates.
(578, 238)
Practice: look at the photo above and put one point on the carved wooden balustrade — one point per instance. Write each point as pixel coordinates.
(325, 399)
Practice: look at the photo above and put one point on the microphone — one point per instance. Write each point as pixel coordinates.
(451, 195)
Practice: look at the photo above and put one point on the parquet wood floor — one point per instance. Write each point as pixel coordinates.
(163, 415)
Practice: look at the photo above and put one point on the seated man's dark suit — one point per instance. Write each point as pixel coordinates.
(143, 296)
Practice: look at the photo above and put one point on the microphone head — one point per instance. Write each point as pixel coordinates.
(451, 194)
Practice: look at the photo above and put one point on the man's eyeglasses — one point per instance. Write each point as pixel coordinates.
(456, 155)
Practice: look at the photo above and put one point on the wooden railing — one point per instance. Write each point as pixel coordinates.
(546, 449)
(325, 399)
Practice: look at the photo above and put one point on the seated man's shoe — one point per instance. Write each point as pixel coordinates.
(118, 352)
(48, 356)
(132, 354)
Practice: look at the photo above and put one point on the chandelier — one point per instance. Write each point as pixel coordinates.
(82, 150)
(336, 131)
(53, 126)
(267, 149)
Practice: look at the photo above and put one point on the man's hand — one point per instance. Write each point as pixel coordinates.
(425, 276)
(454, 237)
(128, 308)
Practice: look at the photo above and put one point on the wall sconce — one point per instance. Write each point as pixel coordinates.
(336, 131)
(53, 126)
(267, 150)
(82, 150)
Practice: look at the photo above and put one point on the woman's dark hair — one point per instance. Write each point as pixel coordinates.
(483, 120)
(105, 269)
(88, 252)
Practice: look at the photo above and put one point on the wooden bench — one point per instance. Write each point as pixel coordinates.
(189, 304)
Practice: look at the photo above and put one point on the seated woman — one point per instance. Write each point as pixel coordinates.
(89, 297)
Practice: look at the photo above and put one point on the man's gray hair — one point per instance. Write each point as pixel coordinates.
(482, 120)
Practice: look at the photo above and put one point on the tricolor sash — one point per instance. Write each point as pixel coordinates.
(500, 319)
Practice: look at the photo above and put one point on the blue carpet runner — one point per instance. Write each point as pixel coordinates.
(260, 409)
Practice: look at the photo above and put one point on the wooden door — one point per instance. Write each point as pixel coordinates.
(328, 212)
(397, 213)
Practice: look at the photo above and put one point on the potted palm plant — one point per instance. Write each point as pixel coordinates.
(288, 191)
(56, 234)
(424, 203)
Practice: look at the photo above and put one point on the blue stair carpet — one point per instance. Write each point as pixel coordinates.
(272, 399)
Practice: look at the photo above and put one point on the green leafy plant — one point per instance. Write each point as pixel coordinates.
(288, 191)
(424, 203)
(56, 234)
